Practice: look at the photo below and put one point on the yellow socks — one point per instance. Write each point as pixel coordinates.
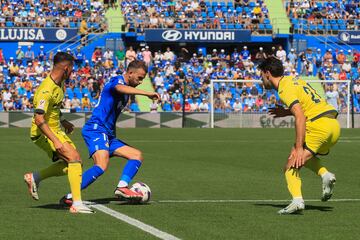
(314, 164)
(74, 175)
(293, 182)
(59, 168)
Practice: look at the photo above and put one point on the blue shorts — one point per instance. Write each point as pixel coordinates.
(98, 138)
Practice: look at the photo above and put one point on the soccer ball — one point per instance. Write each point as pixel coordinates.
(143, 189)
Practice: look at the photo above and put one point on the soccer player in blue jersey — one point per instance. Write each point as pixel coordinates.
(99, 132)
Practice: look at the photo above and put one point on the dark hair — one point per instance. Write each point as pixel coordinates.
(63, 57)
(136, 64)
(273, 65)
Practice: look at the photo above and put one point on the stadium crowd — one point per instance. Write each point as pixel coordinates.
(182, 14)
(64, 14)
(173, 76)
(323, 17)
(179, 78)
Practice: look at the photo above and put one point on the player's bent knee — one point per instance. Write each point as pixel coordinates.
(137, 154)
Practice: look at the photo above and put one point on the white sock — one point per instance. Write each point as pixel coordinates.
(298, 199)
(69, 195)
(325, 175)
(122, 183)
(77, 203)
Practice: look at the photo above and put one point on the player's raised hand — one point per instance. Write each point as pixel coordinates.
(154, 95)
(279, 111)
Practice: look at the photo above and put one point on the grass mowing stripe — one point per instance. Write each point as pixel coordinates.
(136, 223)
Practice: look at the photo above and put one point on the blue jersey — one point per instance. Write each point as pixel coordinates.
(110, 105)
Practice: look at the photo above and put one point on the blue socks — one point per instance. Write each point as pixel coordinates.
(130, 170)
(90, 176)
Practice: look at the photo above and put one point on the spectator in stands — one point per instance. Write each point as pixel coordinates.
(332, 97)
(260, 55)
(130, 55)
(29, 55)
(204, 106)
(237, 106)
(83, 30)
(75, 103)
(147, 56)
(67, 103)
(120, 56)
(20, 55)
(281, 54)
(85, 103)
(169, 55)
(177, 106)
(96, 55)
(154, 106)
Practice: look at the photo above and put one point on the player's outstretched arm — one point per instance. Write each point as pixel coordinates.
(122, 89)
(279, 111)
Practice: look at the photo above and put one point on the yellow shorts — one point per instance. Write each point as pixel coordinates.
(321, 135)
(48, 146)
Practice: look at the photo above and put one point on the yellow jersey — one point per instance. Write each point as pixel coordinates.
(292, 90)
(47, 100)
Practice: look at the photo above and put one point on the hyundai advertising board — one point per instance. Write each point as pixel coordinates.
(185, 35)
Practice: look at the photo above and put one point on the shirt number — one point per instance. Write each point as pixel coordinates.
(315, 97)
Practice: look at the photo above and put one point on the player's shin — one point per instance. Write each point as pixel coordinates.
(74, 175)
(129, 172)
(90, 176)
(59, 168)
(293, 182)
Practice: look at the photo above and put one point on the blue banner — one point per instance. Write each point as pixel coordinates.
(193, 35)
(349, 37)
(38, 34)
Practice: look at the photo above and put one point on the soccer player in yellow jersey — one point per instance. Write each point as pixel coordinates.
(317, 129)
(47, 134)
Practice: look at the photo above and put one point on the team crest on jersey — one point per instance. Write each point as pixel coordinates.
(106, 144)
(41, 104)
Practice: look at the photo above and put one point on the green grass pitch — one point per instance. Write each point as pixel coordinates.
(186, 164)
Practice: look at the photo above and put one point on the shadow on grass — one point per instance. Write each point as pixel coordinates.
(307, 207)
(115, 201)
(51, 206)
(97, 201)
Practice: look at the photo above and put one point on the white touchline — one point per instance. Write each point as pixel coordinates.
(132, 221)
(252, 200)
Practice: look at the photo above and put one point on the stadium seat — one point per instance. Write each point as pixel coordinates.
(230, 26)
(342, 27)
(238, 26)
(9, 24)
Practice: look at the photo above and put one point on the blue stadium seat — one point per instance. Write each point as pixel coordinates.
(239, 9)
(268, 26)
(72, 25)
(223, 26)
(335, 27)
(343, 27)
(203, 14)
(211, 14)
(266, 21)
(333, 21)
(238, 26)
(341, 22)
(252, 4)
(9, 24)
(230, 4)
(230, 26)
(294, 21)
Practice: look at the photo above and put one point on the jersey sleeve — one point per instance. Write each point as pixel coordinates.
(288, 95)
(42, 102)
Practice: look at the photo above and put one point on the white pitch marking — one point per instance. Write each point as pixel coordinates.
(252, 200)
(132, 221)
